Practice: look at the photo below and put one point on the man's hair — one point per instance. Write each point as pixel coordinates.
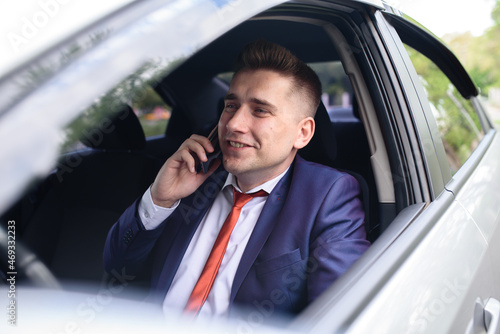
(264, 55)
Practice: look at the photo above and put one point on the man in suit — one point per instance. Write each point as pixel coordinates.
(301, 232)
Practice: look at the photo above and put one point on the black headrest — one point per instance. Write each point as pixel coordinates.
(121, 131)
(323, 146)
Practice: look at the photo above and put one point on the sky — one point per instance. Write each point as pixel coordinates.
(27, 25)
(449, 16)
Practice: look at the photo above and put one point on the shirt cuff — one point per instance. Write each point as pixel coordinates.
(151, 214)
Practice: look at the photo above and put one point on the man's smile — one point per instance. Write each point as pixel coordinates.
(237, 144)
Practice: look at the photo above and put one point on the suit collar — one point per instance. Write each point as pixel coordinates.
(266, 186)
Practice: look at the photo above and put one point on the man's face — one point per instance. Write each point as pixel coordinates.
(261, 126)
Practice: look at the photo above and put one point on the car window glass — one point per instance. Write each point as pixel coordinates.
(337, 91)
(136, 91)
(226, 77)
(457, 121)
(152, 111)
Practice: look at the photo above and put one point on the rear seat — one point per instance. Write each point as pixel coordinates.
(353, 154)
(86, 194)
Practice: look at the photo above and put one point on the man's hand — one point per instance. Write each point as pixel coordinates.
(178, 178)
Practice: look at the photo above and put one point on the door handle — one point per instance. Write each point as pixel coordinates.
(486, 318)
(492, 316)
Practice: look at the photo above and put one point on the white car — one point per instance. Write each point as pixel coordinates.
(86, 123)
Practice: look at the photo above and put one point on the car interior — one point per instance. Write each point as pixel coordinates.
(64, 219)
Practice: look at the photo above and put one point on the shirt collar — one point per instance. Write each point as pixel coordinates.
(266, 186)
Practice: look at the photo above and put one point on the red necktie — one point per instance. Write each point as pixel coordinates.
(207, 277)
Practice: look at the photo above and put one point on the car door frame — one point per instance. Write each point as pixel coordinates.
(361, 300)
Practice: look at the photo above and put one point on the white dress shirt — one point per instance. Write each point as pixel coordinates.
(201, 244)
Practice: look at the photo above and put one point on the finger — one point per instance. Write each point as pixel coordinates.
(188, 159)
(204, 142)
(195, 149)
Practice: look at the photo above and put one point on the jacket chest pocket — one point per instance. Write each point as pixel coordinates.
(278, 263)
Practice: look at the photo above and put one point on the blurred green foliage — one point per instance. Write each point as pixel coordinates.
(137, 91)
(457, 121)
(153, 128)
(480, 54)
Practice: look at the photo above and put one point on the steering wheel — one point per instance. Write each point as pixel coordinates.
(27, 264)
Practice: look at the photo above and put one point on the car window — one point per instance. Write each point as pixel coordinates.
(136, 91)
(458, 122)
(337, 91)
(226, 77)
(152, 111)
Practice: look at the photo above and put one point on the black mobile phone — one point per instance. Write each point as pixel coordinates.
(214, 139)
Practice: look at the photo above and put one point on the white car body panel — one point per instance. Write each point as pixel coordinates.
(432, 269)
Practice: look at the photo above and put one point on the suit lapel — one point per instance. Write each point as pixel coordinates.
(186, 218)
(262, 230)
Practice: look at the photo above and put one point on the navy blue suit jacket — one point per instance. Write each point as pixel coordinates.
(309, 233)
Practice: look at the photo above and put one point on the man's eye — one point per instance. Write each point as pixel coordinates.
(260, 111)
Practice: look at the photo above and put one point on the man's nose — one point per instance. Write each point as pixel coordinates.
(239, 120)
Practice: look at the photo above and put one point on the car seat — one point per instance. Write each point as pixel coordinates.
(86, 194)
(343, 145)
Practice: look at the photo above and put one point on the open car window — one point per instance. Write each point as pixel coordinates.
(136, 91)
(457, 121)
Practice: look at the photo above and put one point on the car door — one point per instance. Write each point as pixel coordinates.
(432, 270)
(458, 119)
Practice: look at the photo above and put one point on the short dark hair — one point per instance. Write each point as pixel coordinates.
(264, 55)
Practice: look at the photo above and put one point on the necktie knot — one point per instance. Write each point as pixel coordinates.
(240, 199)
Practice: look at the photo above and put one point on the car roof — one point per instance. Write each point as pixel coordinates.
(69, 28)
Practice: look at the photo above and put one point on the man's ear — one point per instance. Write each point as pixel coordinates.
(305, 130)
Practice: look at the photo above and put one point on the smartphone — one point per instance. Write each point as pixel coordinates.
(214, 139)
